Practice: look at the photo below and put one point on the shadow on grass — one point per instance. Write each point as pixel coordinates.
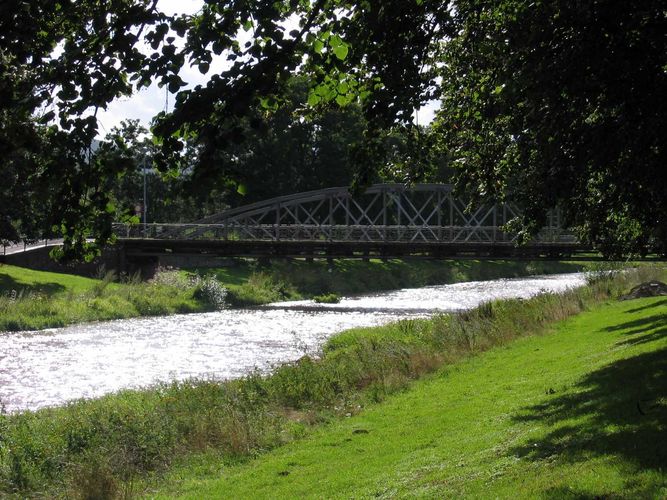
(648, 306)
(639, 326)
(7, 284)
(633, 489)
(645, 339)
(619, 410)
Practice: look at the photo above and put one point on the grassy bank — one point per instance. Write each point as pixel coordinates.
(578, 413)
(250, 283)
(31, 300)
(106, 447)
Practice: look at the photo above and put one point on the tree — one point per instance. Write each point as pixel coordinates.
(375, 54)
(59, 63)
(550, 104)
(283, 151)
(130, 149)
(562, 104)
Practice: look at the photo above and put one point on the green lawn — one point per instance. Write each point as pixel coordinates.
(580, 412)
(28, 280)
(32, 300)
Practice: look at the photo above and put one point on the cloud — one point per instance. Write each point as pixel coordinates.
(171, 7)
(148, 102)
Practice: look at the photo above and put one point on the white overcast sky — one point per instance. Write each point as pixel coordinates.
(147, 103)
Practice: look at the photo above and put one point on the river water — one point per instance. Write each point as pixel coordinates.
(51, 367)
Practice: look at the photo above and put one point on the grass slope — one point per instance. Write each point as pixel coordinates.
(29, 280)
(31, 300)
(577, 413)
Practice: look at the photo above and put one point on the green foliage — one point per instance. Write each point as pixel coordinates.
(131, 147)
(59, 62)
(261, 288)
(283, 152)
(559, 105)
(327, 298)
(209, 291)
(603, 271)
(551, 105)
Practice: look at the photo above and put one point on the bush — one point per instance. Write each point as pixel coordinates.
(173, 278)
(210, 291)
(329, 298)
(262, 288)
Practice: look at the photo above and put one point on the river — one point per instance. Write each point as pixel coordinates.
(51, 367)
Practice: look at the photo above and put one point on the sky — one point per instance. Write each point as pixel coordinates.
(147, 103)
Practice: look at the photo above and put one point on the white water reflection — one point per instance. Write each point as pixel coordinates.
(53, 366)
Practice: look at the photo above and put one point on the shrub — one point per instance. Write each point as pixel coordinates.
(211, 291)
(262, 288)
(329, 298)
(173, 278)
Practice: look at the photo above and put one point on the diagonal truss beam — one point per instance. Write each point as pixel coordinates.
(385, 212)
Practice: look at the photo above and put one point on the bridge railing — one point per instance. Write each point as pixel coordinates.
(338, 233)
(8, 249)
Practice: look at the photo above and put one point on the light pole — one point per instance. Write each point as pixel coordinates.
(145, 200)
(145, 203)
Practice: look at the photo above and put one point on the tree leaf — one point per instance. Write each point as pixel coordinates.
(341, 51)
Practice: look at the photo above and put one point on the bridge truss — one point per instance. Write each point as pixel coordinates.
(383, 213)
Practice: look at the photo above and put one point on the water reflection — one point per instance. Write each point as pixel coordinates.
(50, 367)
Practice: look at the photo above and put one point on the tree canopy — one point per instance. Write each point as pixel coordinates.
(550, 104)
(59, 63)
(562, 104)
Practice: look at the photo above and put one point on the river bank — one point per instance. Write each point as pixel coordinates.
(251, 283)
(104, 447)
(577, 413)
(33, 300)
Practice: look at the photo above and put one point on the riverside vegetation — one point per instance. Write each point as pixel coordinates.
(251, 283)
(31, 300)
(110, 446)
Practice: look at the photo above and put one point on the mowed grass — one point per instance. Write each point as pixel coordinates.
(580, 412)
(32, 300)
(29, 280)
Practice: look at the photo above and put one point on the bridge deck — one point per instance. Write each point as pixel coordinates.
(135, 247)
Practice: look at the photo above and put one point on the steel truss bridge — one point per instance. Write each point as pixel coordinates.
(387, 220)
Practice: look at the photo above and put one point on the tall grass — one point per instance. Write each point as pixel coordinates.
(101, 448)
(261, 288)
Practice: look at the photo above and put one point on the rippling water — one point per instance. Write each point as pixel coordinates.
(53, 366)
